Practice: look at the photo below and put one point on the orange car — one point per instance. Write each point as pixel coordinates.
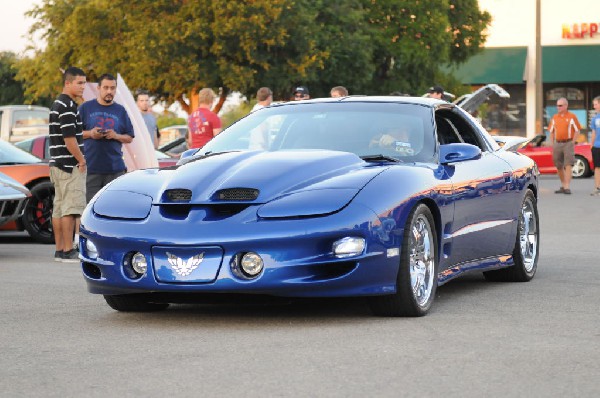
(35, 175)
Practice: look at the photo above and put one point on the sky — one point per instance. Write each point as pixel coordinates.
(14, 25)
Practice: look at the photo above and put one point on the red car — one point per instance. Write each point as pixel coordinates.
(542, 154)
(38, 146)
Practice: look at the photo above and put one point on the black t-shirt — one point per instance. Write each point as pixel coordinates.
(64, 122)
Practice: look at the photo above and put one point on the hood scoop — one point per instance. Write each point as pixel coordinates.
(177, 195)
(237, 194)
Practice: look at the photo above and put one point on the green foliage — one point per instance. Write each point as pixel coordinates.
(12, 90)
(174, 47)
(169, 119)
(235, 114)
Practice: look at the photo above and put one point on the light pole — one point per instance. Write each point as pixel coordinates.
(539, 98)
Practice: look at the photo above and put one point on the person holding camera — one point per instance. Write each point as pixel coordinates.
(106, 127)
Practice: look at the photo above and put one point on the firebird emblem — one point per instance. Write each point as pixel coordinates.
(184, 268)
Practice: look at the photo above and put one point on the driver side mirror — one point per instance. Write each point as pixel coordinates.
(452, 153)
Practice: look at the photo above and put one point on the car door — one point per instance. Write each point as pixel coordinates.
(483, 195)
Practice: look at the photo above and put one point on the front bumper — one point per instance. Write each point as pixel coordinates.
(297, 254)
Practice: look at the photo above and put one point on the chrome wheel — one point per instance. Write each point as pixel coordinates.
(416, 283)
(526, 248)
(528, 234)
(422, 264)
(580, 168)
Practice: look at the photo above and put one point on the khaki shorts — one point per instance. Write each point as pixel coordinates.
(563, 154)
(69, 192)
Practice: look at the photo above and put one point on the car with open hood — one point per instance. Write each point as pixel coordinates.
(540, 151)
(381, 197)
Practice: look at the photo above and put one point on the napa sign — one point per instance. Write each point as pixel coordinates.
(580, 30)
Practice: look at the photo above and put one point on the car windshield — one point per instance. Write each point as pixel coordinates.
(369, 130)
(9, 154)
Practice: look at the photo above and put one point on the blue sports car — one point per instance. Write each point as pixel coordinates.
(382, 197)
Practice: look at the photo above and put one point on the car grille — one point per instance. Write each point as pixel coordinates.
(179, 195)
(238, 194)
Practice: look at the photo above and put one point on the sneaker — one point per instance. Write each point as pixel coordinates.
(72, 256)
(595, 192)
(567, 191)
(560, 190)
(58, 255)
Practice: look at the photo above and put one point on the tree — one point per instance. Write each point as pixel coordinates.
(172, 48)
(12, 90)
(175, 47)
(414, 39)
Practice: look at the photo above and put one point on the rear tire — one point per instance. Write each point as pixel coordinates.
(133, 303)
(526, 249)
(37, 216)
(416, 283)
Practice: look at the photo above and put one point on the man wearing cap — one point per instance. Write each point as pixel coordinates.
(301, 93)
(436, 92)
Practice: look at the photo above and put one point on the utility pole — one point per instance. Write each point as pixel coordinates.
(539, 93)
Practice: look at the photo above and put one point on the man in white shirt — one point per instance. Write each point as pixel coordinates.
(264, 97)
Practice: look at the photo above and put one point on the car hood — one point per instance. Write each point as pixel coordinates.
(251, 177)
(472, 102)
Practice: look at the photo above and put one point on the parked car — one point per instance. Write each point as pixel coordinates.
(35, 175)
(38, 146)
(12, 199)
(536, 149)
(174, 139)
(19, 122)
(330, 206)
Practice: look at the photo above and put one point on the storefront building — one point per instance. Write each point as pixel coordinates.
(570, 41)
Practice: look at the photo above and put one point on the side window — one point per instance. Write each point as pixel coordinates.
(446, 131)
(453, 128)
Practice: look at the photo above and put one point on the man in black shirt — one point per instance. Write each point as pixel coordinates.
(67, 164)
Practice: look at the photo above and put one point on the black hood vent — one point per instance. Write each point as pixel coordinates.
(178, 195)
(237, 194)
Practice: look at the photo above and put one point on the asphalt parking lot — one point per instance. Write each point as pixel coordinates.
(536, 339)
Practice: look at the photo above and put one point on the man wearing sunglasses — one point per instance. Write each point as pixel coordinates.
(564, 129)
(301, 93)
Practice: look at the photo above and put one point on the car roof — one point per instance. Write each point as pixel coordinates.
(28, 107)
(431, 102)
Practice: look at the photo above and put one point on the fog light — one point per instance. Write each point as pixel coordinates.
(91, 249)
(252, 264)
(348, 247)
(139, 264)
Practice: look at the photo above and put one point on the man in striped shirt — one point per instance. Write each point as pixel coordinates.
(564, 129)
(67, 164)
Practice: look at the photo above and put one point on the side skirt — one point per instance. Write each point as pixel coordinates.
(485, 264)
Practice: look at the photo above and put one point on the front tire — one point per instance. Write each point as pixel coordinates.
(133, 303)
(37, 216)
(526, 250)
(581, 168)
(416, 283)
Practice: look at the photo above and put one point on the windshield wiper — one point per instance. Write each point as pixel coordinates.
(380, 158)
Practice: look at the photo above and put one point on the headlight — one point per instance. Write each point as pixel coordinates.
(308, 203)
(131, 205)
(348, 247)
(91, 249)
